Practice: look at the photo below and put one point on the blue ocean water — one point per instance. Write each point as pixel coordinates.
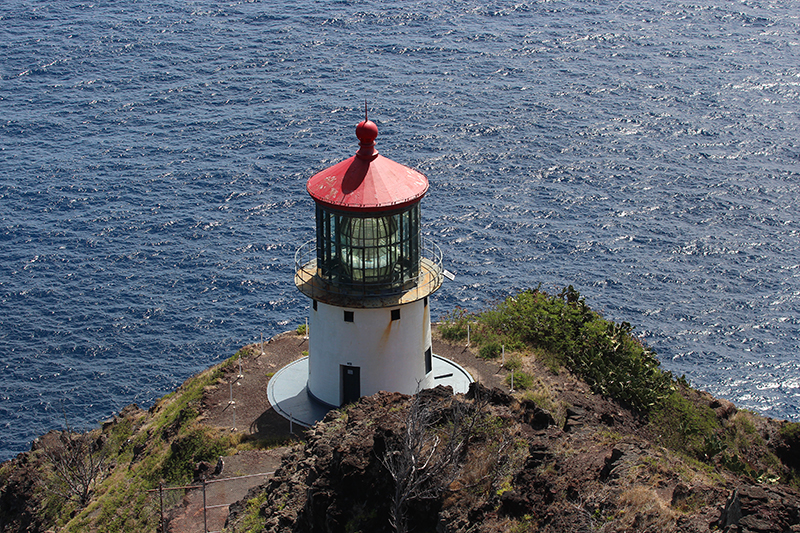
(153, 157)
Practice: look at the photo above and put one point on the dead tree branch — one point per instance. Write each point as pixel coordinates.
(77, 460)
(425, 462)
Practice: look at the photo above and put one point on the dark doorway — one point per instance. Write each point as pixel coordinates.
(351, 384)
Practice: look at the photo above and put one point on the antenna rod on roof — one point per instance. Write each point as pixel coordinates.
(366, 116)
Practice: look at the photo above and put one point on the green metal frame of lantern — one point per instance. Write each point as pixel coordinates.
(378, 251)
(368, 261)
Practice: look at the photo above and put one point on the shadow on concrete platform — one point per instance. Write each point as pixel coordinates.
(287, 391)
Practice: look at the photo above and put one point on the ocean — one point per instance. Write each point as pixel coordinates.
(154, 154)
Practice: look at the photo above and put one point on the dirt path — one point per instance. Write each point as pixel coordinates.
(240, 473)
(253, 417)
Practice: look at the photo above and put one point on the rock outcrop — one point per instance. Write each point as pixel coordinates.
(600, 470)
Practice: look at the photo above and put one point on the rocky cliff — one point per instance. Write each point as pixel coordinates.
(600, 468)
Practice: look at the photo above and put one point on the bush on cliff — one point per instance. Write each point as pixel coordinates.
(454, 324)
(565, 332)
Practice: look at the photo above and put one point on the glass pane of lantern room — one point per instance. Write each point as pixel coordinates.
(411, 248)
(368, 250)
(326, 243)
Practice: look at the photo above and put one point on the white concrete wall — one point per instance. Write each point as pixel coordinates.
(390, 353)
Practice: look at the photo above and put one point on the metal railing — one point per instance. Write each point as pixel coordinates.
(162, 490)
(314, 285)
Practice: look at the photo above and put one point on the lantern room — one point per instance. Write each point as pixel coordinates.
(373, 252)
(368, 242)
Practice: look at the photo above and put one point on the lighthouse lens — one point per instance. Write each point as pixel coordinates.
(372, 253)
(369, 248)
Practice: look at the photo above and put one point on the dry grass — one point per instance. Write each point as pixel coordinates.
(641, 509)
(542, 395)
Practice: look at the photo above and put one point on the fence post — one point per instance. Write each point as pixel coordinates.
(205, 517)
(161, 499)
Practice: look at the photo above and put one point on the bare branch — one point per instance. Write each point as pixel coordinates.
(77, 460)
(427, 460)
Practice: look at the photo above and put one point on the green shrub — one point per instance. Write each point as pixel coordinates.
(513, 363)
(565, 332)
(522, 380)
(301, 329)
(790, 432)
(490, 350)
(604, 354)
(453, 325)
(686, 426)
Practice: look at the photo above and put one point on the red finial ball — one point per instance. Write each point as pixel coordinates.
(367, 132)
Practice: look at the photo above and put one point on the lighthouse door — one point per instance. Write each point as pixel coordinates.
(350, 384)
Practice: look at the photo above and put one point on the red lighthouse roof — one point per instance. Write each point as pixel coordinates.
(367, 181)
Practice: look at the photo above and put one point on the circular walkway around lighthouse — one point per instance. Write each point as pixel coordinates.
(287, 391)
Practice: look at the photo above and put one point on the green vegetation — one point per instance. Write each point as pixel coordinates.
(790, 431)
(524, 525)
(197, 444)
(180, 407)
(541, 395)
(490, 350)
(563, 331)
(522, 380)
(169, 445)
(514, 363)
(253, 521)
(683, 425)
(454, 324)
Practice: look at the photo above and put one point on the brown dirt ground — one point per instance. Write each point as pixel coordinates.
(255, 417)
(223, 489)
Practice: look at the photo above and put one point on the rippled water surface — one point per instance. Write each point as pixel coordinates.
(153, 157)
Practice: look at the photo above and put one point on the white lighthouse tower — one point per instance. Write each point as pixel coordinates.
(369, 275)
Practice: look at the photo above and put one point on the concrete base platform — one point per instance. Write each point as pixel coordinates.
(287, 391)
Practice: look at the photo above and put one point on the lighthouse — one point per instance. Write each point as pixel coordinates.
(369, 274)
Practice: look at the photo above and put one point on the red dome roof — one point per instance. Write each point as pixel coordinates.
(367, 181)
